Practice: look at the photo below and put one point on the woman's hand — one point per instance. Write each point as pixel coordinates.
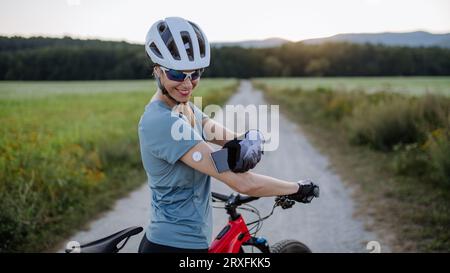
(244, 154)
(307, 190)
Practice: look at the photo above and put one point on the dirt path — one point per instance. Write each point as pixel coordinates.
(325, 225)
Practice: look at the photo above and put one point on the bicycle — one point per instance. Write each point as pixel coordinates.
(231, 239)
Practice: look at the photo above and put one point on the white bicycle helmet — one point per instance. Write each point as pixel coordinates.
(178, 44)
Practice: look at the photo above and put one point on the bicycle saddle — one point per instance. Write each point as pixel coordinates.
(109, 244)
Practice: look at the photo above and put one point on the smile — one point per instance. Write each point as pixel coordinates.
(184, 92)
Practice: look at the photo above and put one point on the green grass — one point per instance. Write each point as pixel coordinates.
(68, 150)
(394, 148)
(39, 89)
(403, 85)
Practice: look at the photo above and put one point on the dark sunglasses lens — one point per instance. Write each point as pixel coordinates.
(195, 75)
(179, 76)
(175, 75)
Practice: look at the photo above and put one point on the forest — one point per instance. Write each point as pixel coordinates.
(40, 58)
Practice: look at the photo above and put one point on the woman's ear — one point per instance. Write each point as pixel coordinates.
(156, 71)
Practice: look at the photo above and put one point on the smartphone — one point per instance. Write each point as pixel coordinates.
(220, 159)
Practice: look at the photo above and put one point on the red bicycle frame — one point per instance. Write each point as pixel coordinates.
(231, 238)
(235, 234)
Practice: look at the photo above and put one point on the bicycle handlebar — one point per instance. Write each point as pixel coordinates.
(235, 199)
(219, 196)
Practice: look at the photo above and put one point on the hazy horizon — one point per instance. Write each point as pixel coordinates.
(230, 41)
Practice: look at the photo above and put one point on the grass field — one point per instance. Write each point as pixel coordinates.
(393, 147)
(68, 150)
(403, 85)
(32, 89)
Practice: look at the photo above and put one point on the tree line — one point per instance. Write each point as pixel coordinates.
(40, 58)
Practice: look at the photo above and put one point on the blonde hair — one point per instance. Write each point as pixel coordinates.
(187, 111)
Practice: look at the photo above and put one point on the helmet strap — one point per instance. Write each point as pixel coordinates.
(164, 90)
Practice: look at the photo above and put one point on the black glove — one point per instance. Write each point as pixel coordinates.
(307, 190)
(245, 152)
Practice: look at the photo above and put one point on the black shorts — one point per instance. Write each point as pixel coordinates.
(149, 247)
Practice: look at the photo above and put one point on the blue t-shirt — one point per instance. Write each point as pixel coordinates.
(181, 212)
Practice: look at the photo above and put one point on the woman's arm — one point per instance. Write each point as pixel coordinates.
(246, 183)
(216, 133)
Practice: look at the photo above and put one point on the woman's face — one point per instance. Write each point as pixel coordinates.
(180, 91)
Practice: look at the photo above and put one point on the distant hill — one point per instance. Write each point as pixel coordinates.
(412, 39)
(271, 42)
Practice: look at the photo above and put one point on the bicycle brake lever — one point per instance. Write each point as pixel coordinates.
(284, 202)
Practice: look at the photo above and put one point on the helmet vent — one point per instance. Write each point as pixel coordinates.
(155, 50)
(187, 45)
(161, 27)
(173, 49)
(168, 40)
(201, 40)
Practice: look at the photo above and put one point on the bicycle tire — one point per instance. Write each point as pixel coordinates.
(289, 246)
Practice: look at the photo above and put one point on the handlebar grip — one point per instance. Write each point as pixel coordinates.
(237, 199)
(219, 196)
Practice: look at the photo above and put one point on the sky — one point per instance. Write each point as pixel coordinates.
(226, 20)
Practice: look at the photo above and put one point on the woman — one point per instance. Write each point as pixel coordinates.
(179, 170)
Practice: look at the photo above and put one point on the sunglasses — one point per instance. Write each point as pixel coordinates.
(180, 76)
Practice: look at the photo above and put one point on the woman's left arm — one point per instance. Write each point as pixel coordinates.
(216, 133)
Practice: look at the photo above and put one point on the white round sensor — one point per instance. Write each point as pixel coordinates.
(197, 156)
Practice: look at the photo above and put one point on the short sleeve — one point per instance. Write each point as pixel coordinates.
(166, 135)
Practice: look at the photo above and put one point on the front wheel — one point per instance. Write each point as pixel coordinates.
(289, 246)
